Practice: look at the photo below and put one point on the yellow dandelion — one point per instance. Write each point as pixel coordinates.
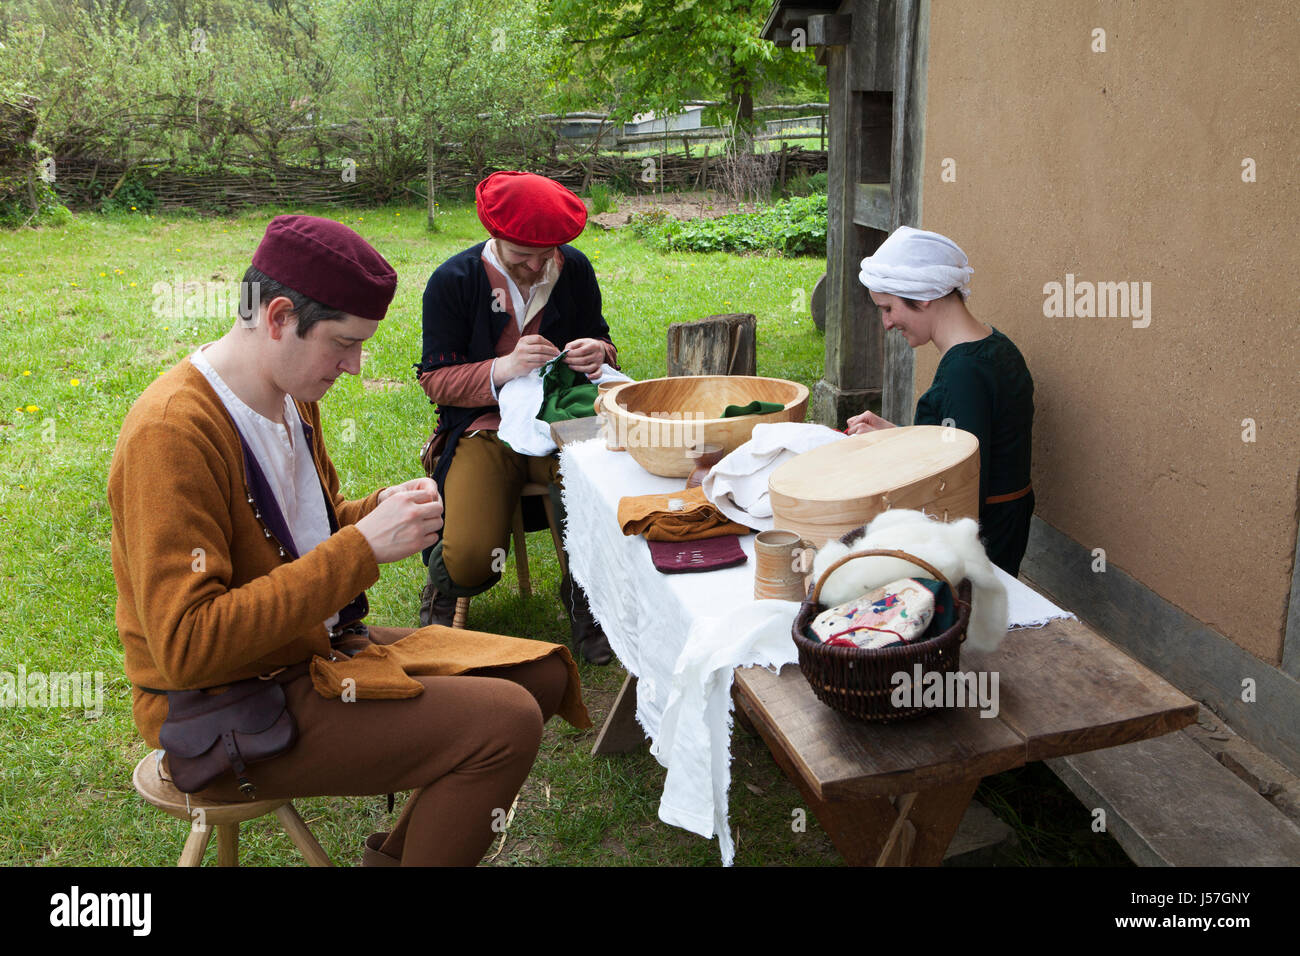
(103, 275)
(27, 371)
(20, 275)
(167, 328)
(133, 209)
(132, 285)
(74, 382)
(75, 286)
(33, 408)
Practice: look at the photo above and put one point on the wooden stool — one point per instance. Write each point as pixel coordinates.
(203, 815)
(521, 547)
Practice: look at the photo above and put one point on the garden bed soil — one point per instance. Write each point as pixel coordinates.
(683, 206)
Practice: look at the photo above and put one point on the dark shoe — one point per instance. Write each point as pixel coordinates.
(589, 640)
(374, 856)
(435, 608)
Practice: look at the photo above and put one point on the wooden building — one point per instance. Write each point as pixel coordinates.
(1079, 145)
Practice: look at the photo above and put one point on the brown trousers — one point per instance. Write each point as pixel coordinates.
(465, 746)
(482, 492)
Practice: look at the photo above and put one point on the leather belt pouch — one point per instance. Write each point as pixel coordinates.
(206, 735)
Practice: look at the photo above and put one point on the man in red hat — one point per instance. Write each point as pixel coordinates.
(236, 558)
(492, 313)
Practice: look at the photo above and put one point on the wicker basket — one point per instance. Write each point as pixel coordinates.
(856, 681)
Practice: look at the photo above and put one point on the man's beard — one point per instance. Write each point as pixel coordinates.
(524, 277)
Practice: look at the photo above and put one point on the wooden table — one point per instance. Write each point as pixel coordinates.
(894, 794)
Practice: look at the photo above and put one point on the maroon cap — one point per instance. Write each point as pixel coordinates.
(326, 261)
(529, 210)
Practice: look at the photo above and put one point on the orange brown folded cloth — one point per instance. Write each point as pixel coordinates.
(677, 516)
(387, 671)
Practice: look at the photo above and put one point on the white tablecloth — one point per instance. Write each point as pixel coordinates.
(682, 635)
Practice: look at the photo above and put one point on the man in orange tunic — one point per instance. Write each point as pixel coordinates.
(236, 557)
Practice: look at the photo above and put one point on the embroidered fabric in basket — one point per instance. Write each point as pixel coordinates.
(893, 614)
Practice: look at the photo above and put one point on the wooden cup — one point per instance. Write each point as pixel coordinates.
(782, 560)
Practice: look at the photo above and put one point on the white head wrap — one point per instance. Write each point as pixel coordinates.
(916, 264)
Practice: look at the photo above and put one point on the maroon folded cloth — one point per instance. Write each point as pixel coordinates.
(706, 554)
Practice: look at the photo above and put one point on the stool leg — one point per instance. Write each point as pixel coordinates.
(195, 844)
(228, 844)
(462, 612)
(555, 534)
(521, 552)
(301, 836)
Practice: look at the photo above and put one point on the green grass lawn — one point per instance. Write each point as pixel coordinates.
(83, 339)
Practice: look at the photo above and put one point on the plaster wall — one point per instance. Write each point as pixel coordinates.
(1126, 166)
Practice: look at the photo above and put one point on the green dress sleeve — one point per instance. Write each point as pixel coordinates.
(961, 397)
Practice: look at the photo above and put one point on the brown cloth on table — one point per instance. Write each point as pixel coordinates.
(650, 515)
(386, 671)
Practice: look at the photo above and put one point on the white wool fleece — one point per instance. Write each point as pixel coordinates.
(952, 547)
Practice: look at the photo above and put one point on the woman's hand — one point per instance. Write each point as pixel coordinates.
(868, 421)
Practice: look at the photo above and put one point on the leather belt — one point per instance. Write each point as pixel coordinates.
(998, 499)
(281, 676)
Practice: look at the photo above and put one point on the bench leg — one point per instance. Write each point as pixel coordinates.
(195, 844)
(302, 838)
(228, 844)
(913, 830)
(937, 814)
(621, 733)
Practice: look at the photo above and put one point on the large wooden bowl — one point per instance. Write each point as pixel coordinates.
(841, 486)
(658, 421)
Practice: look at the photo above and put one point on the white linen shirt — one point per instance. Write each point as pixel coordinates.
(285, 458)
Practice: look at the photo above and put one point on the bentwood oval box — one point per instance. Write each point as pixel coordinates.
(823, 493)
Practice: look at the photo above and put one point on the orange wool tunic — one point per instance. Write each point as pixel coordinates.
(204, 596)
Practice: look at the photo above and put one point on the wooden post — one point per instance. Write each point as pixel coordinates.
(781, 175)
(717, 345)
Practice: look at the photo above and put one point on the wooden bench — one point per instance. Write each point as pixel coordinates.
(1170, 803)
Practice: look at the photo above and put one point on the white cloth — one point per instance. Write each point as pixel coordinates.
(1025, 606)
(694, 740)
(521, 399)
(285, 458)
(916, 264)
(737, 485)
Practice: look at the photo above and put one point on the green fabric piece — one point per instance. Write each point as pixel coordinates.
(753, 408)
(565, 394)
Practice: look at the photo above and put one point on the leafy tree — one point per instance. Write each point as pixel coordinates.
(659, 54)
(436, 75)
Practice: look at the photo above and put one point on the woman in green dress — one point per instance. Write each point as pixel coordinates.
(919, 280)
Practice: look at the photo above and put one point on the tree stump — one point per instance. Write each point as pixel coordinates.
(717, 345)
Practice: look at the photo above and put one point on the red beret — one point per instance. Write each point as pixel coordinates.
(326, 261)
(529, 210)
